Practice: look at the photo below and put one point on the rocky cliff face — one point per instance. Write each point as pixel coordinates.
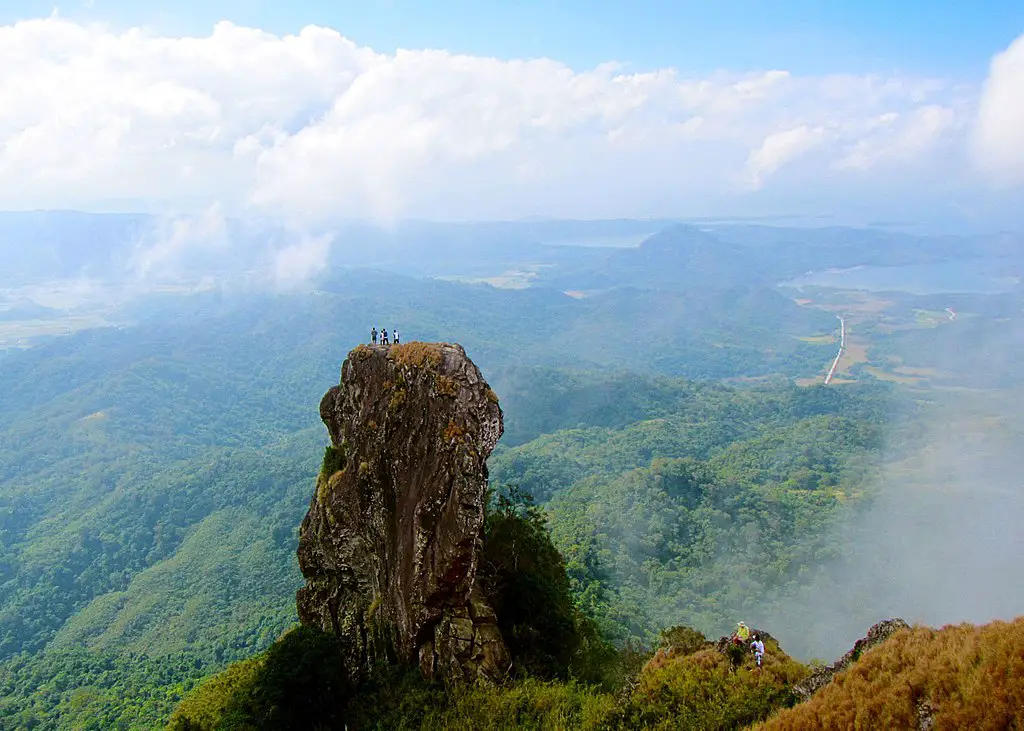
(389, 546)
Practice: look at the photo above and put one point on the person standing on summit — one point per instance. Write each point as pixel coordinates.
(383, 336)
(373, 336)
(396, 337)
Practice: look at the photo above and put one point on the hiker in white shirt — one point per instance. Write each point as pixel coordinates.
(758, 648)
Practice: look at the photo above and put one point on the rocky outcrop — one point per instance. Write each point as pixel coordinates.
(878, 634)
(390, 543)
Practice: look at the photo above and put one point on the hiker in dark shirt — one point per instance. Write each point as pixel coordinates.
(373, 336)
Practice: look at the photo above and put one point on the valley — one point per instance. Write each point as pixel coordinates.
(672, 424)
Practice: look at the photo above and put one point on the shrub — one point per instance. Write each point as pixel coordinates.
(683, 640)
(298, 683)
(396, 698)
(334, 460)
(963, 676)
(205, 707)
(530, 704)
(703, 690)
(523, 575)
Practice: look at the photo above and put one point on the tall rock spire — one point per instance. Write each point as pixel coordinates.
(389, 546)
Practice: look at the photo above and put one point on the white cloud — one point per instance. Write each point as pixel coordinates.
(298, 261)
(778, 149)
(312, 127)
(999, 132)
(893, 138)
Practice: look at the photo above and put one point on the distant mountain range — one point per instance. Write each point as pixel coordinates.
(42, 245)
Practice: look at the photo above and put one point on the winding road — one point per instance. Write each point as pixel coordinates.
(842, 347)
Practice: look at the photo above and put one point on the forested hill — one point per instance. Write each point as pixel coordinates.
(712, 507)
(153, 475)
(193, 451)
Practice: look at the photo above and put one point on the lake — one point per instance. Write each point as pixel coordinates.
(974, 276)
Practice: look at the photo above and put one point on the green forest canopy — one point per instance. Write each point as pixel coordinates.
(154, 477)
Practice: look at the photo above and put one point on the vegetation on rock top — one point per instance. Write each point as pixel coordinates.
(416, 354)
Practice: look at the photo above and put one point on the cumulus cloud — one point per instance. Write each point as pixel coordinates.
(894, 138)
(313, 128)
(780, 148)
(999, 132)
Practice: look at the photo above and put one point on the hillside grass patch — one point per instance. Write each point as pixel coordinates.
(963, 676)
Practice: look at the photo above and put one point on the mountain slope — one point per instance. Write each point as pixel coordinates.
(958, 677)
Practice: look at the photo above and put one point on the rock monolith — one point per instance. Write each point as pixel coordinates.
(389, 546)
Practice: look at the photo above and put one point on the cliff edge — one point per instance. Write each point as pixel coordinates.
(389, 546)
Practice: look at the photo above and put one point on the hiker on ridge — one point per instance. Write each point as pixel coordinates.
(758, 646)
(373, 336)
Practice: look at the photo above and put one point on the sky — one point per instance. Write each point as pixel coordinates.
(310, 111)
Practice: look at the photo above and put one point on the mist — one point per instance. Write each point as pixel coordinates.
(82, 261)
(938, 541)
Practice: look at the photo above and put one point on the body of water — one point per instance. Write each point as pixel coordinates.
(975, 276)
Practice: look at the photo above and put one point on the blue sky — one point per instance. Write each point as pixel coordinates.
(952, 39)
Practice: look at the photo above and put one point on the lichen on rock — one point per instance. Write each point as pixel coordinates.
(389, 548)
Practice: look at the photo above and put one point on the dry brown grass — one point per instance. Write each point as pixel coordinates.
(968, 677)
(447, 386)
(454, 432)
(416, 354)
(361, 352)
